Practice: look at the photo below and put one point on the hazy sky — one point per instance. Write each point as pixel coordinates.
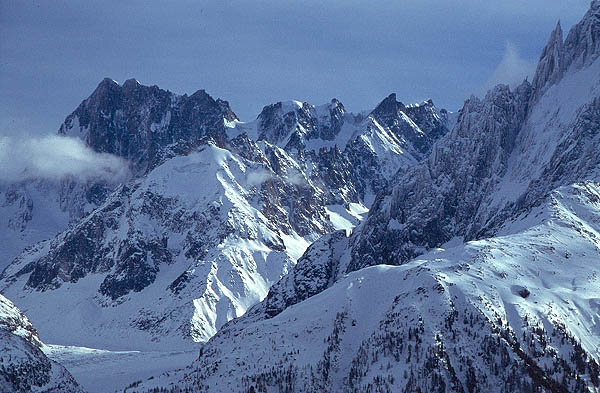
(252, 53)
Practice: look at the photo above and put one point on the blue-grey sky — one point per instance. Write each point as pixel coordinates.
(252, 53)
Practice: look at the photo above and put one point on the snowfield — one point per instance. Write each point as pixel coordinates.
(102, 371)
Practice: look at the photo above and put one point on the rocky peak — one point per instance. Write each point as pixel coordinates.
(105, 86)
(226, 109)
(130, 84)
(138, 122)
(388, 108)
(580, 49)
(582, 45)
(428, 118)
(292, 123)
(414, 126)
(330, 119)
(551, 64)
(335, 103)
(277, 121)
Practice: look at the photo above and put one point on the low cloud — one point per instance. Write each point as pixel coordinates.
(55, 157)
(262, 175)
(296, 179)
(257, 177)
(512, 69)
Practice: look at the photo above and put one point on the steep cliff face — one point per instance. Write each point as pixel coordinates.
(444, 196)
(505, 154)
(579, 50)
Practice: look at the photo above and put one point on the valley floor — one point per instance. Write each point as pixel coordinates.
(102, 371)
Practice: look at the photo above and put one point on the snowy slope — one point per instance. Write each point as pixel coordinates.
(503, 314)
(172, 256)
(100, 371)
(213, 216)
(23, 366)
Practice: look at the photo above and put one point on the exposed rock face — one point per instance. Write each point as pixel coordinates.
(581, 47)
(551, 64)
(505, 154)
(138, 122)
(575, 158)
(579, 50)
(23, 366)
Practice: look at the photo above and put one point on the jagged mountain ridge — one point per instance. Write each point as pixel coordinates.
(368, 149)
(143, 123)
(515, 309)
(520, 146)
(23, 365)
(157, 267)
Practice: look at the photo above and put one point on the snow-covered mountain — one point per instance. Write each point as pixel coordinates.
(352, 156)
(23, 365)
(144, 125)
(515, 313)
(506, 154)
(218, 210)
(476, 270)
